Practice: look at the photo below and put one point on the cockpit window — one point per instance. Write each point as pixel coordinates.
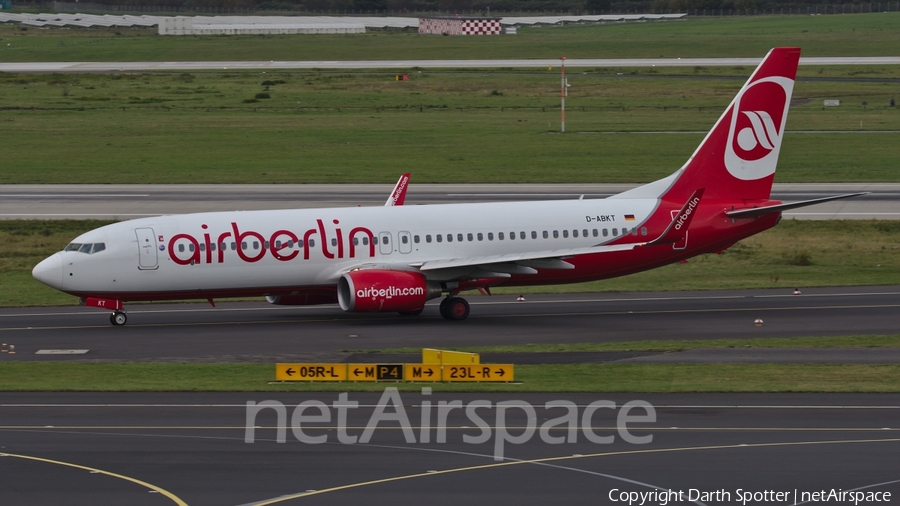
(86, 248)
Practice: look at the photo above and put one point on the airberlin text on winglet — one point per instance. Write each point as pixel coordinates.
(395, 372)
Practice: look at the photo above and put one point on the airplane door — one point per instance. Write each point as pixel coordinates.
(405, 242)
(384, 243)
(147, 259)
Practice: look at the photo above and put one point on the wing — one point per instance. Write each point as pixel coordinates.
(504, 266)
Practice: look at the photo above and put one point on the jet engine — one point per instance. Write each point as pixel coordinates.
(385, 290)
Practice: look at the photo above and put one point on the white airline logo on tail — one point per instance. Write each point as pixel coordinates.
(757, 126)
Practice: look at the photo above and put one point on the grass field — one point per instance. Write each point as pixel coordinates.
(318, 127)
(793, 254)
(133, 377)
(59, 376)
(835, 35)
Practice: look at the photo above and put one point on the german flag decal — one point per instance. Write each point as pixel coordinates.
(629, 217)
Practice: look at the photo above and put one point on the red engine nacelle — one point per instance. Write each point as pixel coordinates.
(382, 290)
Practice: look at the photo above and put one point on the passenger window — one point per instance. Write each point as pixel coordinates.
(190, 248)
(556, 234)
(439, 238)
(490, 236)
(212, 246)
(99, 247)
(546, 234)
(565, 234)
(521, 235)
(404, 239)
(356, 241)
(386, 239)
(575, 233)
(312, 243)
(480, 237)
(605, 232)
(428, 238)
(512, 236)
(624, 231)
(533, 234)
(243, 245)
(233, 246)
(469, 237)
(449, 237)
(634, 231)
(374, 241)
(459, 237)
(333, 242)
(255, 244)
(290, 243)
(181, 248)
(500, 236)
(202, 247)
(584, 232)
(366, 241)
(300, 243)
(266, 244)
(594, 232)
(416, 239)
(643, 230)
(615, 232)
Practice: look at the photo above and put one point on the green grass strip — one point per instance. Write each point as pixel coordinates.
(154, 377)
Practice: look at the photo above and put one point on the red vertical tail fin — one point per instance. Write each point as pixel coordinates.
(737, 159)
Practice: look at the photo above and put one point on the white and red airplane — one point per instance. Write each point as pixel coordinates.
(395, 258)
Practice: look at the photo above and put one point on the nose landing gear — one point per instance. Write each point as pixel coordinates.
(118, 318)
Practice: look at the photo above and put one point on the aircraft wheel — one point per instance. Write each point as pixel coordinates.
(457, 309)
(118, 318)
(444, 304)
(415, 312)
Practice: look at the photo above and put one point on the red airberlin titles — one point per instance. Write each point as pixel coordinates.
(281, 244)
(396, 257)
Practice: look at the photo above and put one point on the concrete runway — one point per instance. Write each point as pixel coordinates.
(187, 66)
(259, 332)
(189, 449)
(133, 201)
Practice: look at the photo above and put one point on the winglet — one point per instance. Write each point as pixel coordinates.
(677, 230)
(399, 194)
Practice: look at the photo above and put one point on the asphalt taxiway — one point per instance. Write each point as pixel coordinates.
(259, 332)
(135, 201)
(192, 449)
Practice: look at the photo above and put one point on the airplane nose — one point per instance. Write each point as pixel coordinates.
(49, 271)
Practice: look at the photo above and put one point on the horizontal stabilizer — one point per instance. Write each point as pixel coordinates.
(760, 211)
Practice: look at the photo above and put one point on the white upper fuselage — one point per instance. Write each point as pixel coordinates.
(183, 252)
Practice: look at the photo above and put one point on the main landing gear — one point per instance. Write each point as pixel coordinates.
(454, 308)
(118, 318)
